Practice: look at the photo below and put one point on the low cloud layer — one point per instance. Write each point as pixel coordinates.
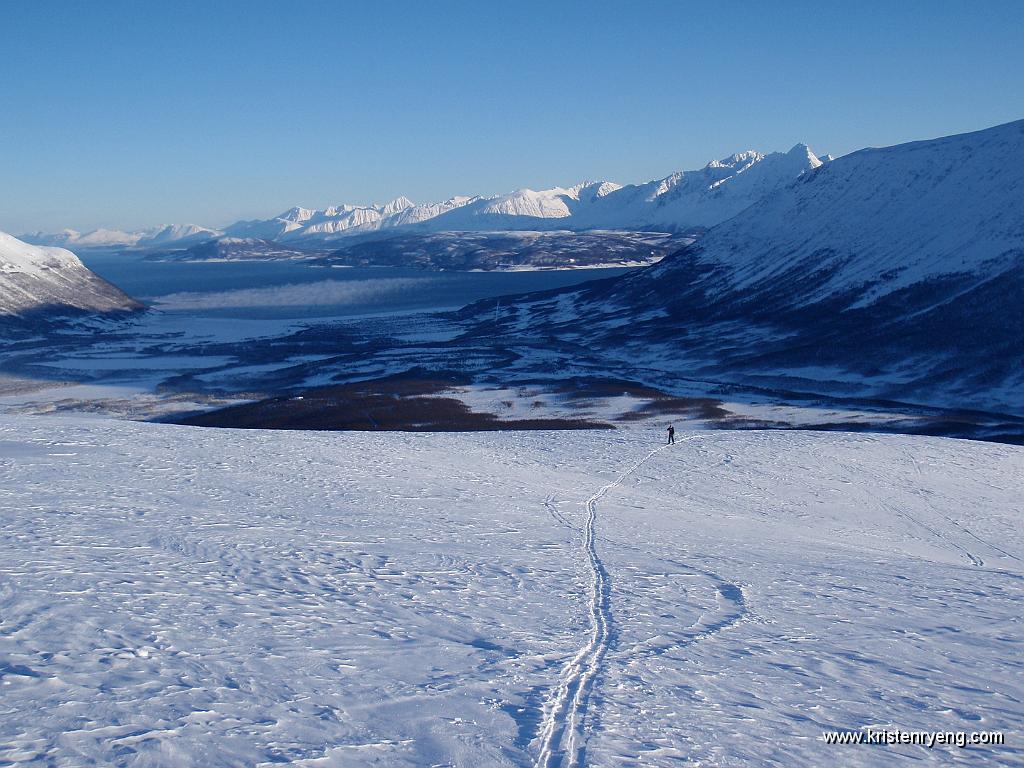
(328, 292)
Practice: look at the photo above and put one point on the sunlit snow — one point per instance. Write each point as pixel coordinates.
(182, 596)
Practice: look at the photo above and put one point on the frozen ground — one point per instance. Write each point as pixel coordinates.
(196, 597)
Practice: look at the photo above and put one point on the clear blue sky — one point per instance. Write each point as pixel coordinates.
(129, 114)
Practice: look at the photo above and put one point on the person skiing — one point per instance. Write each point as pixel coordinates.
(671, 435)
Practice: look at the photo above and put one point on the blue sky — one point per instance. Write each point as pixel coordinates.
(130, 114)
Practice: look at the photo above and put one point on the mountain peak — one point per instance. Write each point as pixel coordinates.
(803, 153)
(400, 203)
(593, 190)
(296, 213)
(747, 157)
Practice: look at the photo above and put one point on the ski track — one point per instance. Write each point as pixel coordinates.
(562, 725)
(924, 497)
(556, 514)
(899, 511)
(562, 736)
(223, 602)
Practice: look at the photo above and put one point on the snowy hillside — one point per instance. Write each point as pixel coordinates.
(881, 220)
(200, 597)
(38, 280)
(888, 273)
(701, 198)
(524, 209)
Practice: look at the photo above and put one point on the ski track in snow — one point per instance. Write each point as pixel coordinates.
(184, 597)
(562, 727)
(969, 556)
(959, 526)
(897, 510)
(556, 514)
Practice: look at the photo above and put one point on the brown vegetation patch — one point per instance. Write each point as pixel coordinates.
(410, 405)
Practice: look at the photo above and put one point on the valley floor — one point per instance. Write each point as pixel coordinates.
(336, 373)
(208, 597)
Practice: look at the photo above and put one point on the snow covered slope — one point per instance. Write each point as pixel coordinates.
(416, 214)
(881, 220)
(892, 273)
(703, 198)
(554, 208)
(175, 596)
(37, 280)
(178, 234)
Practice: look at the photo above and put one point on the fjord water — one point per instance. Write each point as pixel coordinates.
(295, 289)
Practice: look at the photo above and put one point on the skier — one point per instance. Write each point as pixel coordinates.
(671, 435)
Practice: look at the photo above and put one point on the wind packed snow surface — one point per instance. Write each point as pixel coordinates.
(186, 597)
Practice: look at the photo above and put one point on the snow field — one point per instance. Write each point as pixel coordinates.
(182, 596)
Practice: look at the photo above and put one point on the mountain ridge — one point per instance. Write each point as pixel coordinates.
(45, 281)
(681, 201)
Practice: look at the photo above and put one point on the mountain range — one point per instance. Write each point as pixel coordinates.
(889, 273)
(171, 234)
(886, 277)
(681, 201)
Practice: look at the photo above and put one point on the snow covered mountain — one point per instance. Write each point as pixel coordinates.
(170, 234)
(312, 225)
(177, 234)
(47, 280)
(524, 209)
(70, 238)
(890, 273)
(415, 214)
(700, 198)
(682, 201)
